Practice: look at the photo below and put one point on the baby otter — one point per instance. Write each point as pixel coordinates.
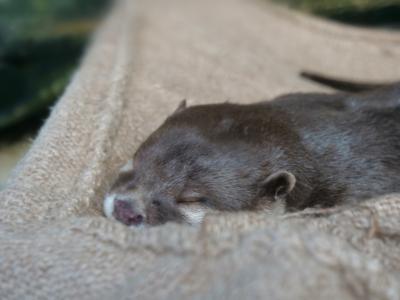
(297, 151)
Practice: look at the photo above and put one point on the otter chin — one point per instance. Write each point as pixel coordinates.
(297, 151)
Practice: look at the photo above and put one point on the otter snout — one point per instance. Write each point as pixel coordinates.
(123, 210)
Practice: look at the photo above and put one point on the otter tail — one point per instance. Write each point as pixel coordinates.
(342, 84)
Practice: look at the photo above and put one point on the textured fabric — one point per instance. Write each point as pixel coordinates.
(148, 56)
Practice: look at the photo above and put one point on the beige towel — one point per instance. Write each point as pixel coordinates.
(148, 56)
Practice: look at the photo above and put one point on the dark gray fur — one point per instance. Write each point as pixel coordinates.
(341, 148)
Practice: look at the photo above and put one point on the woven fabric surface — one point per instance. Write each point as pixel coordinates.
(146, 57)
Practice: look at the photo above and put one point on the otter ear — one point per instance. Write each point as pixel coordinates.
(182, 106)
(279, 184)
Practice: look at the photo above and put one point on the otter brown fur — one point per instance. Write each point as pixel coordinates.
(297, 151)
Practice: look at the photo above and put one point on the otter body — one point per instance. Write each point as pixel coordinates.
(297, 151)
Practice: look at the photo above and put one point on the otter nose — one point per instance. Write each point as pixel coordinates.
(123, 212)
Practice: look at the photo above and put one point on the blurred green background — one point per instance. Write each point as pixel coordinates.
(382, 13)
(41, 42)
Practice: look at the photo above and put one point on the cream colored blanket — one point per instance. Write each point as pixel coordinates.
(148, 56)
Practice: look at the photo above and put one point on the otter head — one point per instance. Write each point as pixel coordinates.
(201, 159)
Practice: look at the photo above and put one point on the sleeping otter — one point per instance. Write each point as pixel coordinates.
(297, 151)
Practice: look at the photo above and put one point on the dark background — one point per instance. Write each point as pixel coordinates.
(41, 42)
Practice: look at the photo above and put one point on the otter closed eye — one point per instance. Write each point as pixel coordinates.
(188, 200)
(295, 152)
(192, 198)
